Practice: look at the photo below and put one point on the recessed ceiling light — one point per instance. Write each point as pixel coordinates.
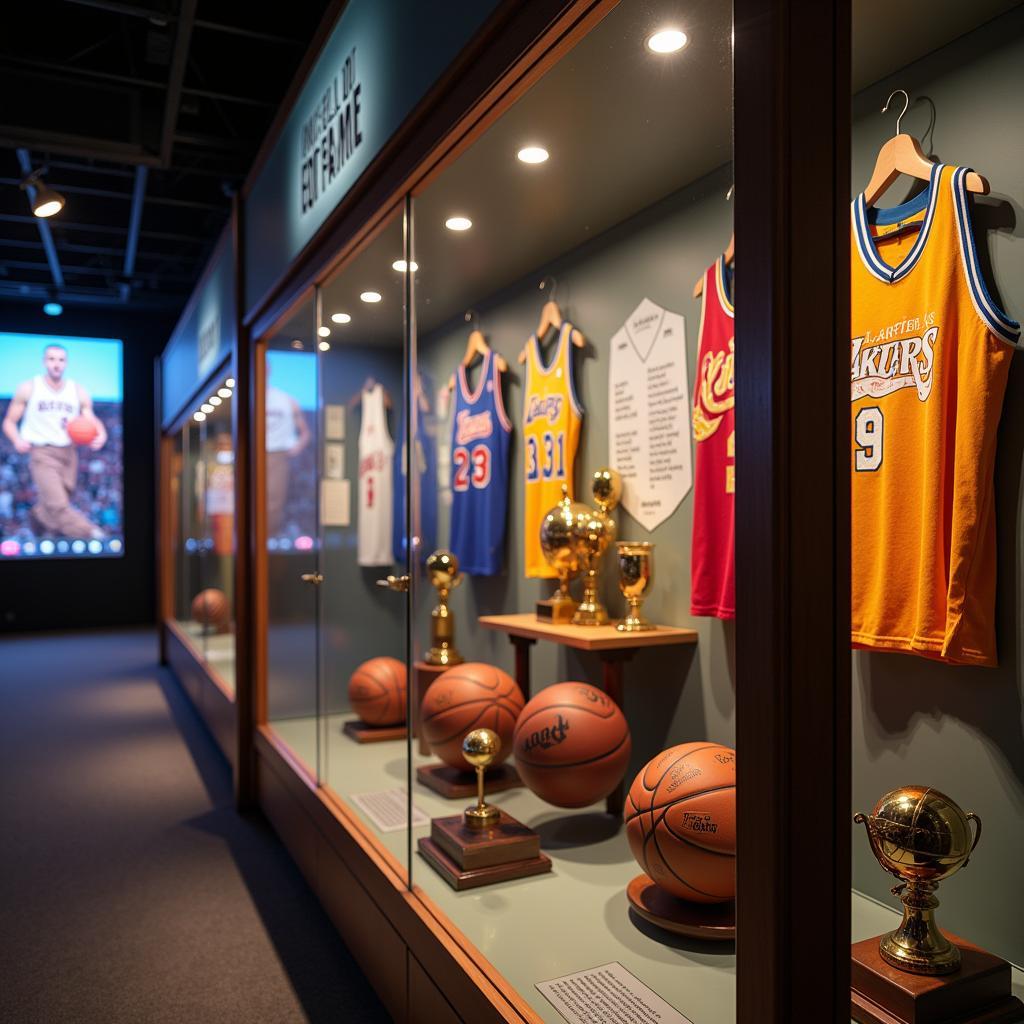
(400, 266)
(666, 40)
(215, 399)
(296, 344)
(533, 154)
(53, 308)
(341, 318)
(230, 382)
(458, 223)
(324, 346)
(370, 296)
(199, 416)
(206, 407)
(324, 332)
(224, 392)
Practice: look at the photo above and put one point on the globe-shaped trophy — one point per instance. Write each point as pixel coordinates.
(443, 571)
(921, 837)
(593, 531)
(559, 547)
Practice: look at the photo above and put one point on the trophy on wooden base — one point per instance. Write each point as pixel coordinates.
(443, 570)
(916, 972)
(559, 548)
(483, 844)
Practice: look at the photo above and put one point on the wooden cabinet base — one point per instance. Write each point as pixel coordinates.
(363, 733)
(712, 922)
(979, 993)
(467, 857)
(453, 784)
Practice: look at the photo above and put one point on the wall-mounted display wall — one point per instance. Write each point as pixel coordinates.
(199, 498)
(507, 397)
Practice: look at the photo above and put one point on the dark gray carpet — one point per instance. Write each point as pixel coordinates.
(130, 890)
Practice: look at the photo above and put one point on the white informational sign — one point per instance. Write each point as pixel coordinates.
(649, 413)
(334, 423)
(335, 503)
(334, 460)
(608, 994)
(386, 809)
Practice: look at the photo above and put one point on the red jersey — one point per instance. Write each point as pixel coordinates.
(712, 556)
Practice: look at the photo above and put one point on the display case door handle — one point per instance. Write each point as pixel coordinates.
(315, 578)
(395, 583)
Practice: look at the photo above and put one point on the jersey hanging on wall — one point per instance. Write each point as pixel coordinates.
(930, 354)
(551, 432)
(376, 451)
(423, 523)
(481, 434)
(712, 555)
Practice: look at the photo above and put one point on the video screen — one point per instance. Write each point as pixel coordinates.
(61, 447)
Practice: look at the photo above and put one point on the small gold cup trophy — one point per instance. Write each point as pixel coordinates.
(559, 548)
(593, 532)
(443, 570)
(636, 577)
(483, 844)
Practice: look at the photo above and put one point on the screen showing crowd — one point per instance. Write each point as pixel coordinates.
(61, 447)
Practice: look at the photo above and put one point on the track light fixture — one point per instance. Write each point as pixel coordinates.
(45, 200)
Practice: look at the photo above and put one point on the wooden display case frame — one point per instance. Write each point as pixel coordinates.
(792, 130)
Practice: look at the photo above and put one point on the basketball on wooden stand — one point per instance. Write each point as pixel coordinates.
(572, 744)
(467, 697)
(210, 607)
(82, 430)
(377, 691)
(680, 818)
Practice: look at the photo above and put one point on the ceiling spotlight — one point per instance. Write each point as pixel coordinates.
(206, 407)
(533, 154)
(324, 346)
(296, 344)
(324, 332)
(224, 392)
(199, 416)
(53, 308)
(458, 223)
(45, 200)
(230, 382)
(341, 318)
(215, 400)
(401, 266)
(666, 40)
(370, 296)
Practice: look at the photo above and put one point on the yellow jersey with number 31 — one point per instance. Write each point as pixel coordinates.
(551, 432)
(930, 354)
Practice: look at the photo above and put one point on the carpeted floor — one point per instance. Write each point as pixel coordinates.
(130, 890)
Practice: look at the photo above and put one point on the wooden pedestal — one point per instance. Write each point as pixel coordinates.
(979, 993)
(453, 784)
(714, 922)
(363, 733)
(469, 857)
(423, 675)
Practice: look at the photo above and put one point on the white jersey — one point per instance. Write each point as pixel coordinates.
(376, 489)
(48, 412)
(281, 435)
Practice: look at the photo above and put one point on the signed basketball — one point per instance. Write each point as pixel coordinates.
(210, 607)
(468, 697)
(82, 430)
(680, 818)
(571, 744)
(376, 691)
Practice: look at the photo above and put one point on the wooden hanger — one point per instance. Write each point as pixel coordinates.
(476, 345)
(902, 154)
(551, 317)
(730, 253)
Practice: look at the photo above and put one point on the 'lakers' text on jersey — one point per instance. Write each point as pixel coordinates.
(712, 556)
(551, 432)
(480, 448)
(930, 353)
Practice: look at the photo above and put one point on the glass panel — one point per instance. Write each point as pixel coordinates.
(604, 188)
(290, 509)
(936, 430)
(190, 567)
(363, 635)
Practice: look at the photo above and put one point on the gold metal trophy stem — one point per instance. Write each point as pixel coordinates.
(636, 577)
(443, 570)
(479, 748)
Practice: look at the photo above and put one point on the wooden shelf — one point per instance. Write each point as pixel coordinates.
(586, 638)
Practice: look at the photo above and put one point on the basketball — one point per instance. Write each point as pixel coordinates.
(376, 691)
(210, 607)
(467, 697)
(571, 744)
(82, 430)
(680, 819)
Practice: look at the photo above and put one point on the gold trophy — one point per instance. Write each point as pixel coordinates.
(558, 546)
(636, 577)
(921, 837)
(480, 748)
(594, 531)
(443, 570)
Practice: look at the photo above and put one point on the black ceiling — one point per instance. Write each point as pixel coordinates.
(169, 99)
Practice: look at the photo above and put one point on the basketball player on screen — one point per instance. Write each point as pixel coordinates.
(287, 433)
(44, 406)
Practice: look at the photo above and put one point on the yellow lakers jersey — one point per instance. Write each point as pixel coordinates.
(930, 354)
(551, 433)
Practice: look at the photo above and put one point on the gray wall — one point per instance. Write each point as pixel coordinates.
(961, 729)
